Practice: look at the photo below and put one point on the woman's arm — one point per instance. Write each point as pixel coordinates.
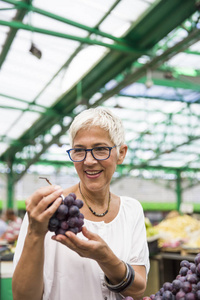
(27, 282)
(114, 269)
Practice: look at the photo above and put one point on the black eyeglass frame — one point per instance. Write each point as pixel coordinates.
(90, 150)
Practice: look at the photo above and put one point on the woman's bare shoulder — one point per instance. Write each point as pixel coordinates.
(71, 189)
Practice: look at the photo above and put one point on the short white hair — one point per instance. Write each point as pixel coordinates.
(102, 117)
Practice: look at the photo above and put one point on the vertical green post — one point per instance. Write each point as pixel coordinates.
(178, 189)
(10, 187)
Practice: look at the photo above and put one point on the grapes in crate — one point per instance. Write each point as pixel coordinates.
(186, 285)
(68, 216)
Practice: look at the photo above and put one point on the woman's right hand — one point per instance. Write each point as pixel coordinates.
(41, 206)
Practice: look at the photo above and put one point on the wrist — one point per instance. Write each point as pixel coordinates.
(34, 236)
(125, 283)
(114, 269)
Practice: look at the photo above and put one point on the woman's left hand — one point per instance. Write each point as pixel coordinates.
(94, 247)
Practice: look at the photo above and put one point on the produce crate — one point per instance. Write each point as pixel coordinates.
(181, 250)
(153, 245)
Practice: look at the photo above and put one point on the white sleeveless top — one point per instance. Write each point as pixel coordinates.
(68, 276)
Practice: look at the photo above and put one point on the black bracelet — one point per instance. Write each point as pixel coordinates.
(125, 283)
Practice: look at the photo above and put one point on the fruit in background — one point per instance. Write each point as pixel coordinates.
(150, 229)
(147, 222)
(186, 285)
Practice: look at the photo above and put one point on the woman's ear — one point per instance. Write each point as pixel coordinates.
(122, 153)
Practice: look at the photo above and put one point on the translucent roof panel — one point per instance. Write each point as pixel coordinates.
(59, 58)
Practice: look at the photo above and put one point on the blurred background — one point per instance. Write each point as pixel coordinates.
(140, 58)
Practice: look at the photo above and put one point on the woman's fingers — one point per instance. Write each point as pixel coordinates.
(49, 200)
(41, 206)
(48, 213)
(43, 197)
(93, 247)
(90, 235)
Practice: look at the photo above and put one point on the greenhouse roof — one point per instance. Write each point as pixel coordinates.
(140, 58)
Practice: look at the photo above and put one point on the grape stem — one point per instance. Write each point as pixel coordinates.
(62, 196)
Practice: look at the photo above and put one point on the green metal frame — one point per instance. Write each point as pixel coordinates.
(144, 35)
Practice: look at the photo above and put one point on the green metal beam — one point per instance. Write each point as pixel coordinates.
(116, 47)
(10, 186)
(108, 68)
(161, 13)
(29, 7)
(11, 35)
(173, 83)
(188, 51)
(152, 65)
(178, 190)
(70, 59)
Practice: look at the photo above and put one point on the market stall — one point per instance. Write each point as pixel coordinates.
(174, 239)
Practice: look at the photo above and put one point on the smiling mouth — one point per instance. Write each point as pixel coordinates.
(92, 172)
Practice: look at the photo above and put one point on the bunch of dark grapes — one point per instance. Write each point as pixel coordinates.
(68, 216)
(186, 285)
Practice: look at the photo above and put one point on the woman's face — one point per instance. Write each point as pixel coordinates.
(94, 174)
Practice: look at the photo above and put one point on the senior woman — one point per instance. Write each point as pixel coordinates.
(109, 259)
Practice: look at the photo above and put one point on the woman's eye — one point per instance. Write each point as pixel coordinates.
(79, 150)
(101, 149)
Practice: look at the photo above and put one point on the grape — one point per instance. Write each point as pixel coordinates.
(161, 290)
(198, 294)
(180, 295)
(73, 210)
(68, 216)
(194, 288)
(60, 231)
(185, 263)
(192, 278)
(193, 267)
(185, 286)
(158, 297)
(62, 209)
(197, 259)
(72, 222)
(167, 286)
(182, 278)
(190, 296)
(53, 224)
(60, 217)
(69, 200)
(167, 295)
(78, 203)
(198, 269)
(73, 195)
(198, 285)
(81, 216)
(64, 225)
(177, 284)
(130, 298)
(73, 229)
(79, 222)
(183, 271)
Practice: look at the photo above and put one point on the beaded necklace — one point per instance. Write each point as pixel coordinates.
(92, 211)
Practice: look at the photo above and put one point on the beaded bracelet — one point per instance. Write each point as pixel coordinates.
(125, 283)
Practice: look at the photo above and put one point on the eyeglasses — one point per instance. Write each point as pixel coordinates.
(99, 153)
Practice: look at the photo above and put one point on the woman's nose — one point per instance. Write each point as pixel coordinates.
(89, 158)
